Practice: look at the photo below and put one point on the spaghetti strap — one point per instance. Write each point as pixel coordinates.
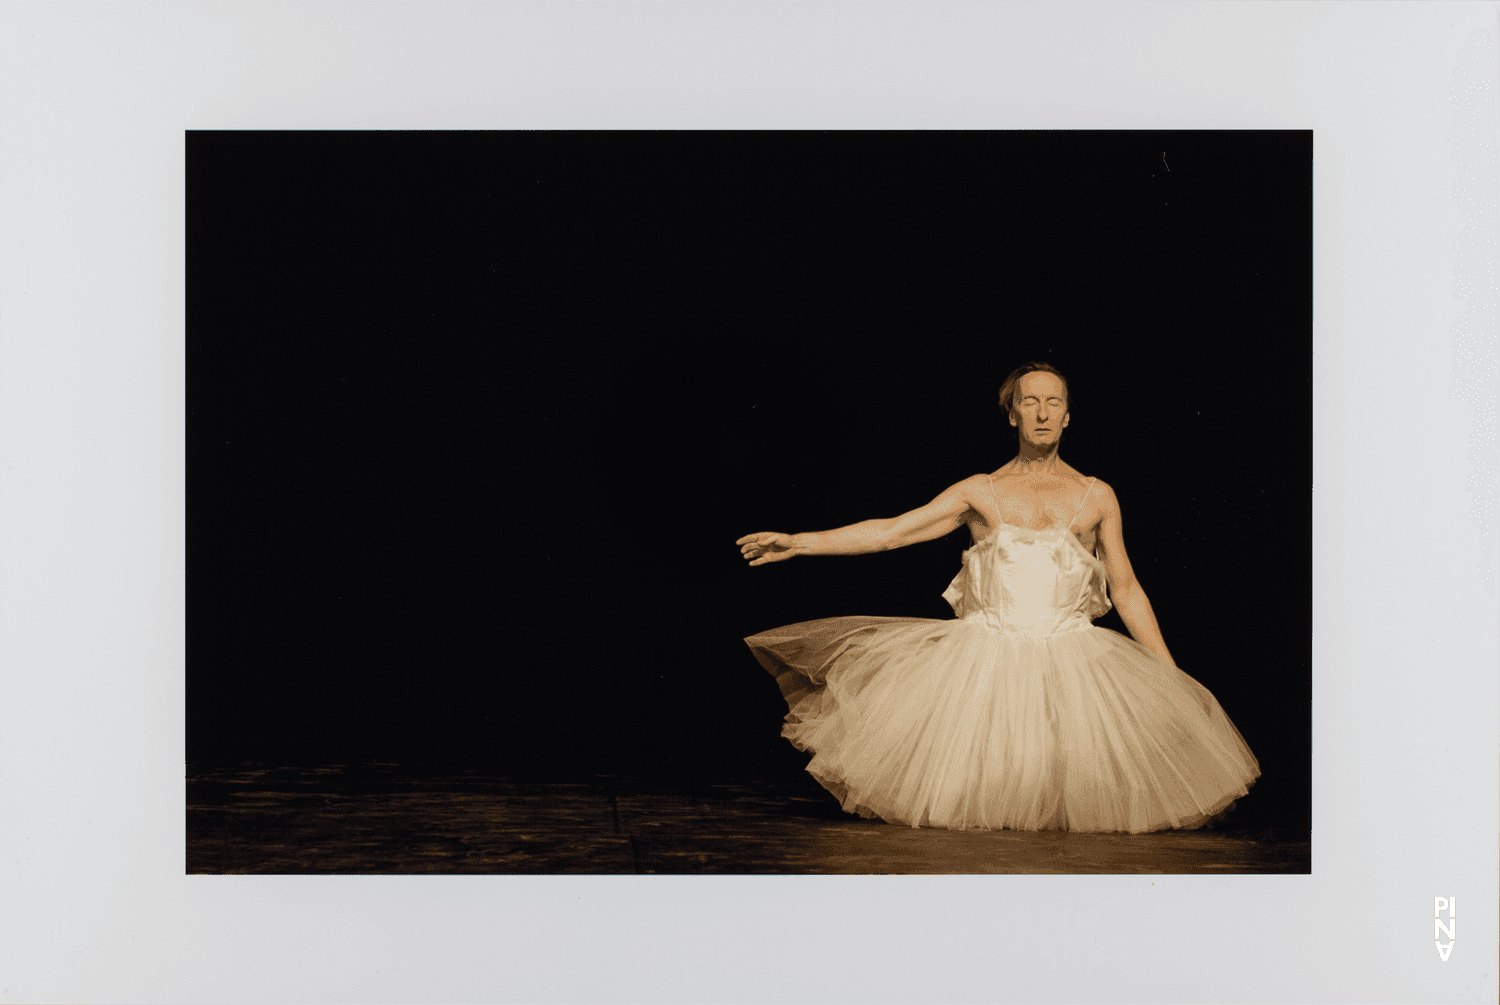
(991, 480)
(1081, 504)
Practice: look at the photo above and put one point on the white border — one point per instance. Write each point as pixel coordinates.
(95, 99)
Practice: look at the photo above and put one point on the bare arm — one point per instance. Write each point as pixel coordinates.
(1129, 599)
(941, 516)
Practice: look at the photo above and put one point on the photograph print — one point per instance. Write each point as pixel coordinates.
(749, 502)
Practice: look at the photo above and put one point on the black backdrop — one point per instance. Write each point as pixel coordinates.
(475, 419)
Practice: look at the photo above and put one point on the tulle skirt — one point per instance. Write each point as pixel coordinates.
(954, 724)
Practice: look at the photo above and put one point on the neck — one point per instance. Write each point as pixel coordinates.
(1034, 458)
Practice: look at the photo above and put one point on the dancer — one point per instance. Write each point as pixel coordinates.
(1020, 713)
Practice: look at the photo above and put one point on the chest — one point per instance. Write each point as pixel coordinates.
(1038, 504)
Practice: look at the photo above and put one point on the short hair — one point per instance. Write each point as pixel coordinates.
(1012, 385)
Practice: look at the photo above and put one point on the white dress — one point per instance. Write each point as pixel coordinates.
(1019, 714)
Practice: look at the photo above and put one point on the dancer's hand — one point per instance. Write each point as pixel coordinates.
(763, 548)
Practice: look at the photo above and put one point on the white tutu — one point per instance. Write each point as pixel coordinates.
(1019, 714)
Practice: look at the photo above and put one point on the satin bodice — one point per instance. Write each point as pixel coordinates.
(1038, 583)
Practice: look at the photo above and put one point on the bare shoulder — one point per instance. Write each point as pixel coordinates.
(968, 488)
(1104, 493)
(979, 481)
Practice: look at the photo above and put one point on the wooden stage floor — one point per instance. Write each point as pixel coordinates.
(397, 819)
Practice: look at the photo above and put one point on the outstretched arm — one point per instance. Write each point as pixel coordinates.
(939, 517)
(1129, 599)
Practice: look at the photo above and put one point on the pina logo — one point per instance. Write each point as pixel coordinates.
(1439, 904)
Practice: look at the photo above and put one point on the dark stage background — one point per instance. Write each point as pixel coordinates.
(475, 419)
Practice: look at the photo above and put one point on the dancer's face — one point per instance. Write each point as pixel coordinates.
(1040, 411)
